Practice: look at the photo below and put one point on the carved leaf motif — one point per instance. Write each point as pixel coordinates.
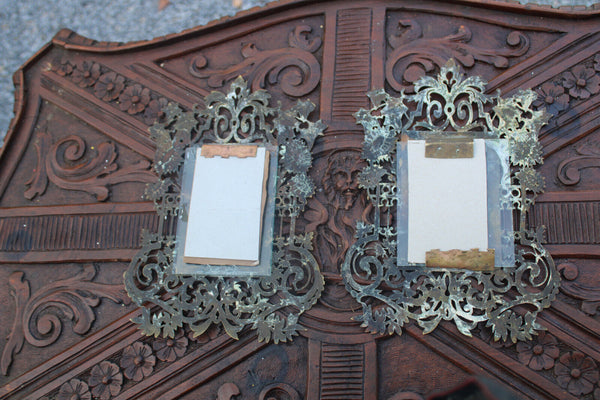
(68, 165)
(414, 56)
(295, 68)
(39, 318)
(569, 170)
(19, 289)
(39, 180)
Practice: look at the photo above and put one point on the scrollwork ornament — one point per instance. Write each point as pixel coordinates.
(295, 68)
(270, 305)
(414, 55)
(390, 295)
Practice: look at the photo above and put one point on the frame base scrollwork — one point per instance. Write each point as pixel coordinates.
(391, 295)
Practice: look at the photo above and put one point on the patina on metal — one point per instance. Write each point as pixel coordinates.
(270, 304)
(446, 106)
(448, 148)
(473, 259)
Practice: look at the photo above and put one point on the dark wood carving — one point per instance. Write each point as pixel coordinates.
(38, 317)
(77, 157)
(294, 67)
(64, 163)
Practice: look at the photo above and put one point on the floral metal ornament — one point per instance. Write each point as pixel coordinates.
(448, 106)
(269, 304)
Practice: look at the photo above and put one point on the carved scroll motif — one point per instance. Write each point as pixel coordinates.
(69, 166)
(274, 391)
(39, 318)
(279, 391)
(414, 56)
(569, 170)
(572, 287)
(295, 68)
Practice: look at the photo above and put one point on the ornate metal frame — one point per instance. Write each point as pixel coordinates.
(270, 304)
(447, 106)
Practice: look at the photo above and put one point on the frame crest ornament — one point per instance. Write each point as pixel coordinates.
(269, 304)
(450, 105)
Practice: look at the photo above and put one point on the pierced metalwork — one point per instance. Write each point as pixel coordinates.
(449, 105)
(271, 305)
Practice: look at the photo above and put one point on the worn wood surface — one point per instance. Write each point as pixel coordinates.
(77, 157)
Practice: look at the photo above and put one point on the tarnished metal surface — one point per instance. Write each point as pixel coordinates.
(473, 259)
(272, 304)
(449, 148)
(447, 106)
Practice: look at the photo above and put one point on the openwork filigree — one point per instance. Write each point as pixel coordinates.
(270, 304)
(449, 105)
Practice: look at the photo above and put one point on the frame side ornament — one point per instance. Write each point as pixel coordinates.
(270, 304)
(450, 105)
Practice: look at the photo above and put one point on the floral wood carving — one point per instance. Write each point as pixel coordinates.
(391, 295)
(137, 361)
(271, 304)
(413, 55)
(569, 170)
(295, 68)
(576, 373)
(112, 88)
(71, 166)
(132, 364)
(105, 380)
(540, 353)
(75, 389)
(39, 317)
(553, 97)
(579, 82)
(555, 360)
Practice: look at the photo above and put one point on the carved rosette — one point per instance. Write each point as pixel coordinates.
(391, 295)
(107, 85)
(271, 304)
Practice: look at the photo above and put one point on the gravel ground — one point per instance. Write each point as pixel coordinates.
(26, 25)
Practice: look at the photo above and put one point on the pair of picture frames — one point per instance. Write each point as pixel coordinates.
(450, 175)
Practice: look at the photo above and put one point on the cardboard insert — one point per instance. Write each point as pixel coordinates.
(227, 205)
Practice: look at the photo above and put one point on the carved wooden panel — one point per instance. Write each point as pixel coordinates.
(78, 155)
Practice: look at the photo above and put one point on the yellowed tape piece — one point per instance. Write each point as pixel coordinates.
(228, 150)
(473, 259)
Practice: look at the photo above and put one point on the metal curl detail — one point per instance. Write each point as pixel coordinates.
(390, 295)
(271, 305)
